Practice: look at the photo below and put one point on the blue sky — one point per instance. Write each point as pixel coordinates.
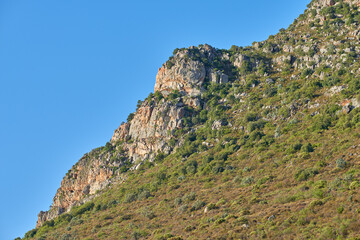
(72, 71)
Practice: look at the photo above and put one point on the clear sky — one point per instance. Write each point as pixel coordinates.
(72, 71)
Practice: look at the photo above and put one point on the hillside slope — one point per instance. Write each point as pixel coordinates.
(246, 143)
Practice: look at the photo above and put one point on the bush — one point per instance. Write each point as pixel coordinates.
(305, 174)
(148, 213)
(30, 233)
(307, 148)
(341, 163)
(340, 209)
(144, 194)
(76, 221)
(211, 206)
(197, 205)
(130, 117)
(189, 197)
(256, 125)
(183, 208)
(250, 117)
(160, 157)
(83, 208)
(130, 197)
(219, 221)
(248, 180)
(178, 201)
(169, 64)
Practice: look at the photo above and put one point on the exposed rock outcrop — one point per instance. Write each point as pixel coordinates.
(144, 136)
(89, 175)
(181, 73)
(150, 128)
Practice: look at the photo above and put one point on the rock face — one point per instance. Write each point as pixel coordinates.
(181, 74)
(90, 174)
(187, 72)
(121, 133)
(147, 134)
(218, 77)
(141, 140)
(149, 129)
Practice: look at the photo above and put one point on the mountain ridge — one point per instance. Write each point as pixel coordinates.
(204, 87)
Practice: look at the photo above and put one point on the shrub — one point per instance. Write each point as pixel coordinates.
(160, 157)
(211, 206)
(305, 174)
(169, 64)
(130, 117)
(178, 201)
(248, 180)
(83, 208)
(256, 125)
(197, 205)
(183, 208)
(307, 148)
(294, 148)
(144, 194)
(76, 221)
(316, 203)
(340, 209)
(189, 197)
(108, 147)
(250, 117)
(30, 233)
(341, 163)
(219, 221)
(130, 197)
(148, 213)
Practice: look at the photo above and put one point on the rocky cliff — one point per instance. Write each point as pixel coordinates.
(147, 132)
(324, 37)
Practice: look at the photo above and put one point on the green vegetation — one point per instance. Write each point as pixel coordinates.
(272, 154)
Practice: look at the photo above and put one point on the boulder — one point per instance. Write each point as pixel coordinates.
(218, 77)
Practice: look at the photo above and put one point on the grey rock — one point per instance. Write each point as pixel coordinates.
(218, 77)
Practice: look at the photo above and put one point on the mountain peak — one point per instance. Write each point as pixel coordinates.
(247, 139)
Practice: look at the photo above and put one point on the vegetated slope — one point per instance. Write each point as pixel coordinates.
(246, 143)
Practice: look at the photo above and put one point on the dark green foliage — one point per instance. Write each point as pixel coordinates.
(306, 72)
(256, 125)
(108, 147)
(173, 95)
(138, 105)
(83, 208)
(125, 166)
(250, 117)
(160, 157)
(130, 117)
(191, 167)
(321, 122)
(270, 92)
(307, 148)
(294, 148)
(305, 174)
(30, 233)
(49, 223)
(169, 64)
(158, 96)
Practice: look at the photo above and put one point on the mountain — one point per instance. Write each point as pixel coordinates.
(247, 143)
